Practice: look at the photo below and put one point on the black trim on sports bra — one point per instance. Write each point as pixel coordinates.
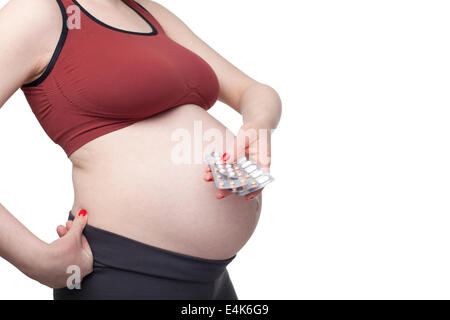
(59, 46)
(154, 31)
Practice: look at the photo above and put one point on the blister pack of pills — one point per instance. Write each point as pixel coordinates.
(240, 177)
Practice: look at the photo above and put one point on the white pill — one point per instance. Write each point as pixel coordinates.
(256, 173)
(231, 174)
(242, 160)
(262, 179)
(246, 164)
(222, 171)
(251, 168)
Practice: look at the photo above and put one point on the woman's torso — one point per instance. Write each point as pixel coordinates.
(113, 100)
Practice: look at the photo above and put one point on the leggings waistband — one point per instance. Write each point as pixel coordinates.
(116, 251)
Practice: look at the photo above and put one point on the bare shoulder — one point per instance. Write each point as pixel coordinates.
(29, 31)
(33, 23)
(37, 13)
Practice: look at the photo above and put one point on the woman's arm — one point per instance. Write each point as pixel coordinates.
(29, 31)
(46, 263)
(19, 246)
(261, 105)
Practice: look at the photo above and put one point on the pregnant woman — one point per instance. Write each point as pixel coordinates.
(116, 83)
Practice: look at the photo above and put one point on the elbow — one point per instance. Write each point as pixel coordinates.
(275, 98)
(268, 98)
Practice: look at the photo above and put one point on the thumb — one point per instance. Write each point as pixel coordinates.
(78, 224)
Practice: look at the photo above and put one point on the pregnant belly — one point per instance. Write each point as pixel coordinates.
(145, 182)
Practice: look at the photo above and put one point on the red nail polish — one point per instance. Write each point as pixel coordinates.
(251, 197)
(226, 157)
(82, 213)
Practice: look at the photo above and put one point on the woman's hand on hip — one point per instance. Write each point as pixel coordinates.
(70, 257)
(253, 142)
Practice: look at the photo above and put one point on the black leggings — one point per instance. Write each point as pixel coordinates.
(128, 269)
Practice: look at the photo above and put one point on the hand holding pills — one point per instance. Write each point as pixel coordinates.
(244, 165)
(240, 176)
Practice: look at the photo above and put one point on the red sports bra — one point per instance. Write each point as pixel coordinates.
(101, 79)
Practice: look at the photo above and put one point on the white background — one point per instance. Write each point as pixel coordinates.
(360, 207)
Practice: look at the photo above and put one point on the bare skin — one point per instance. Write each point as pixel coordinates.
(126, 180)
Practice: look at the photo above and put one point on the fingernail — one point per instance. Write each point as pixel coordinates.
(82, 213)
(251, 198)
(226, 157)
(220, 196)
